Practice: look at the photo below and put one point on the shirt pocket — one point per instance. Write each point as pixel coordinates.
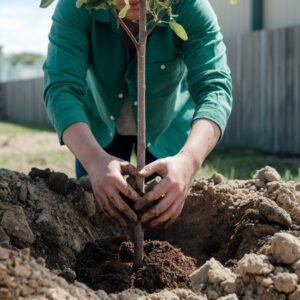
(164, 76)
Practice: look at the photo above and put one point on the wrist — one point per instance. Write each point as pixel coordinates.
(195, 162)
(92, 158)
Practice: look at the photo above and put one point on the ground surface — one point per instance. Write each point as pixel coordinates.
(242, 234)
(24, 146)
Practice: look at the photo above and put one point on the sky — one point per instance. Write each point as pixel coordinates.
(24, 26)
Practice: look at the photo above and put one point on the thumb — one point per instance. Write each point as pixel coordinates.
(154, 167)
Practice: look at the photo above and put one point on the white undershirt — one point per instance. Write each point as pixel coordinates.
(125, 124)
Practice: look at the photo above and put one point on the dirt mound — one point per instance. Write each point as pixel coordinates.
(249, 227)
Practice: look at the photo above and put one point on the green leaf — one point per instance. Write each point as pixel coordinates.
(179, 30)
(79, 3)
(46, 3)
(124, 10)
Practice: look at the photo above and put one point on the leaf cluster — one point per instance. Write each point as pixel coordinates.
(156, 11)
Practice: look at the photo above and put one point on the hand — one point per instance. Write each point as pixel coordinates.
(106, 175)
(177, 173)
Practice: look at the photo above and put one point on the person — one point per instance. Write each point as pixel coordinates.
(90, 93)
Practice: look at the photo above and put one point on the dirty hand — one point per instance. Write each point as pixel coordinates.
(177, 173)
(108, 184)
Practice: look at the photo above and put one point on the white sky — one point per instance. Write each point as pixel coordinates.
(24, 26)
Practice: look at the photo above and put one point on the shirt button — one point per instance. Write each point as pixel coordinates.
(163, 67)
(135, 103)
(112, 117)
(121, 96)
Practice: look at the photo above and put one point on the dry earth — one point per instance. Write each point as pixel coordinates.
(243, 235)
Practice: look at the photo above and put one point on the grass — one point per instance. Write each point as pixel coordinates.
(11, 128)
(234, 162)
(237, 162)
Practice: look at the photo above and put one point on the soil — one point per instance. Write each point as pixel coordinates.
(234, 240)
(107, 265)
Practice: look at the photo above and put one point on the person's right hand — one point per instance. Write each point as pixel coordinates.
(106, 176)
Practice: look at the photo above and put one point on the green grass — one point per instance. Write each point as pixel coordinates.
(8, 127)
(57, 161)
(236, 162)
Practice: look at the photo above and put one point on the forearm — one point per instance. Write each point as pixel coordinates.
(80, 140)
(202, 139)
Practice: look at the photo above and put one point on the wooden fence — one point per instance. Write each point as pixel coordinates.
(266, 78)
(22, 101)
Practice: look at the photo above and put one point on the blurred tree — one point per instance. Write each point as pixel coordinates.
(25, 58)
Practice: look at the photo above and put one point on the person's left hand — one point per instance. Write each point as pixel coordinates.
(177, 173)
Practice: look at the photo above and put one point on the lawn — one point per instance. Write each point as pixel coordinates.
(40, 148)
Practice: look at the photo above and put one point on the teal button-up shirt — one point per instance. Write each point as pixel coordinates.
(88, 74)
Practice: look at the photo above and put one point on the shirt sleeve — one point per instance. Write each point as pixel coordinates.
(65, 67)
(204, 54)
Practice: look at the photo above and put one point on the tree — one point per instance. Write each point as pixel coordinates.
(154, 10)
(25, 58)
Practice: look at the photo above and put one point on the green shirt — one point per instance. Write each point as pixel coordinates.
(88, 74)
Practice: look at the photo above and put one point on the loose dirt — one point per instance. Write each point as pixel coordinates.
(234, 240)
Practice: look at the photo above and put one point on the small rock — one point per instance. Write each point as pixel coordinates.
(267, 174)
(295, 214)
(254, 264)
(15, 224)
(213, 272)
(285, 248)
(274, 214)
(23, 192)
(4, 254)
(212, 294)
(284, 200)
(297, 187)
(295, 295)
(217, 178)
(264, 281)
(259, 184)
(21, 271)
(229, 297)
(272, 186)
(31, 192)
(285, 282)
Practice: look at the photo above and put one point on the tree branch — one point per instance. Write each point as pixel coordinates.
(159, 19)
(124, 26)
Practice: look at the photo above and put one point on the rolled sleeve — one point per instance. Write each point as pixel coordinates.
(66, 65)
(209, 78)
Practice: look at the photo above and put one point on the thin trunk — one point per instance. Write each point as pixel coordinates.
(141, 128)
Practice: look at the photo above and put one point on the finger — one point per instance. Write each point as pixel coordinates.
(116, 200)
(154, 167)
(158, 191)
(159, 208)
(101, 201)
(128, 169)
(174, 218)
(127, 190)
(113, 212)
(170, 213)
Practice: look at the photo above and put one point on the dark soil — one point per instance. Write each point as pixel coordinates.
(107, 265)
